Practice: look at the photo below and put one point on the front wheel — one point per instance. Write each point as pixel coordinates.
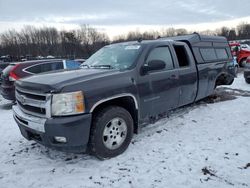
(111, 132)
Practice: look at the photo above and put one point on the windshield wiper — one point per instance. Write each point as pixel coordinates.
(102, 66)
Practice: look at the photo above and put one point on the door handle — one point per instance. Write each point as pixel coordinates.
(174, 77)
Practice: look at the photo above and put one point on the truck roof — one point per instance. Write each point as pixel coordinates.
(196, 42)
(192, 39)
(199, 40)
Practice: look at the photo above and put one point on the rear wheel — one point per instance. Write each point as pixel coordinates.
(111, 132)
(243, 62)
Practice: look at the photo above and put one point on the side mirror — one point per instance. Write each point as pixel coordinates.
(152, 66)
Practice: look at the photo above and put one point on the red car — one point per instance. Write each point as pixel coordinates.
(241, 53)
(248, 60)
(15, 71)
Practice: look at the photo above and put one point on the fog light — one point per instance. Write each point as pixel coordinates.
(60, 139)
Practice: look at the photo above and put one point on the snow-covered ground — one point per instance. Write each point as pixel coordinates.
(201, 145)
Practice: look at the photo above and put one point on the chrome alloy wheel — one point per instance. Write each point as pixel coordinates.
(114, 133)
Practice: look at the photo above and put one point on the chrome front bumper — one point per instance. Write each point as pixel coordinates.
(32, 122)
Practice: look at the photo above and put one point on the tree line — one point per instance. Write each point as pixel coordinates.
(41, 42)
(81, 43)
(241, 32)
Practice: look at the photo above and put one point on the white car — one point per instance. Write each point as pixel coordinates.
(245, 46)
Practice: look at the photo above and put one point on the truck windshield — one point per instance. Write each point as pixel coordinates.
(119, 57)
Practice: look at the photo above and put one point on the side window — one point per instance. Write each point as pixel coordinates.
(57, 65)
(46, 67)
(162, 53)
(35, 69)
(208, 54)
(72, 64)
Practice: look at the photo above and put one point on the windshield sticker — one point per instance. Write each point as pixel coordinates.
(132, 47)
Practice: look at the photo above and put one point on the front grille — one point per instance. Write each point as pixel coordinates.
(34, 109)
(32, 96)
(33, 103)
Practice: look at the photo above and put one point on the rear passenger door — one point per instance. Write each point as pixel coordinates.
(188, 80)
(163, 83)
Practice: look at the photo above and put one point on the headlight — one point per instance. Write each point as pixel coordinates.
(68, 104)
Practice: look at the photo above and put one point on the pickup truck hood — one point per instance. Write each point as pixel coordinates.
(55, 81)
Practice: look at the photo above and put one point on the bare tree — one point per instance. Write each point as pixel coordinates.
(232, 35)
(243, 31)
(91, 40)
(83, 42)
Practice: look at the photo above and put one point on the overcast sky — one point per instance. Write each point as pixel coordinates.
(122, 13)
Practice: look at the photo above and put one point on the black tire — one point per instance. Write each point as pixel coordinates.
(247, 80)
(243, 62)
(104, 121)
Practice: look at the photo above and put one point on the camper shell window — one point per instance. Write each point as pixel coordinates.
(221, 53)
(208, 54)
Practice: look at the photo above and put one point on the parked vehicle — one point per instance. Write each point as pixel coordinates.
(245, 46)
(5, 58)
(4, 65)
(80, 60)
(15, 71)
(240, 53)
(50, 57)
(120, 88)
(233, 67)
(247, 73)
(247, 61)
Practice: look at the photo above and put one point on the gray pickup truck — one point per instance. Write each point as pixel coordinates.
(98, 108)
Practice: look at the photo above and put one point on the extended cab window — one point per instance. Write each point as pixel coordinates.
(161, 53)
(182, 56)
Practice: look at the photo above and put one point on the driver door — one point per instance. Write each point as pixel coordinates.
(163, 86)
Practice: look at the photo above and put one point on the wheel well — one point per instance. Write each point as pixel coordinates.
(223, 79)
(126, 102)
